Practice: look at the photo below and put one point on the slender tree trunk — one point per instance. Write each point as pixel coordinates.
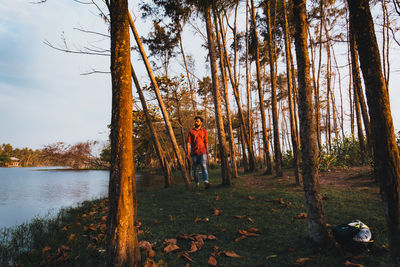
(359, 126)
(250, 127)
(157, 145)
(386, 152)
(225, 88)
(267, 156)
(234, 84)
(357, 86)
(164, 111)
(225, 168)
(295, 140)
(275, 119)
(122, 243)
(315, 210)
(243, 142)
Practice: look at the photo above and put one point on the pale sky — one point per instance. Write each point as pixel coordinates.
(43, 96)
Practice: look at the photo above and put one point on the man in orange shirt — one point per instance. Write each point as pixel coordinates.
(197, 144)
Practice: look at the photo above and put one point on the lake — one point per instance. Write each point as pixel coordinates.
(29, 192)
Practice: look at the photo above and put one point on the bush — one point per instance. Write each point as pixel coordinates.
(288, 159)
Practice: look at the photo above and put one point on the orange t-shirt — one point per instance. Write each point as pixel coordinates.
(198, 140)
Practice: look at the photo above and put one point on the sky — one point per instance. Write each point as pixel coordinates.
(44, 98)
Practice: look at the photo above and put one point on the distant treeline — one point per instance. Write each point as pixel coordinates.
(77, 156)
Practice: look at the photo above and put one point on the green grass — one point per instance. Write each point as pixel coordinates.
(169, 213)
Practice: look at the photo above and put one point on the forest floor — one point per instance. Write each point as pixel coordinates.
(259, 221)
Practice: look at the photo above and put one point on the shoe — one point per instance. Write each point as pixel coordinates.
(207, 185)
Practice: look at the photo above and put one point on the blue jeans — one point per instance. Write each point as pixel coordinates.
(202, 161)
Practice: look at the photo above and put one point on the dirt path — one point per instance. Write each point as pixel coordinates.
(356, 177)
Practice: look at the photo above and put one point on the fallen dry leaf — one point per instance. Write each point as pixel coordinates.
(186, 237)
(217, 212)
(170, 248)
(301, 215)
(212, 261)
(186, 256)
(301, 261)
(232, 254)
(170, 241)
(251, 197)
(351, 264)
(197, 219)
(211, 237)
(46, 249)
(150, 263)
(193, 247)
(171, 218)
(104, 219)
(239, 216)
(151, 253)
(271, 256)
(250, 220)
(240, 238)
(253, 230)
(218, 198)
(145, 245)
(247, 233)
(281, 201)
(72, 237)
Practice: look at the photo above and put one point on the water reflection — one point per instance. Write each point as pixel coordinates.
(29, 192)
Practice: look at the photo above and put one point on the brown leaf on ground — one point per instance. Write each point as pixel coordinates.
(302, 215)
(206, 219)
(65, 248)
(217, 212)
(351, 264)
(104, 219)
(253, 230)
(200, 236)
(199, 243)
(145, 245)
(232, 254)
(186, 237)
(281, 201)
(272, 256)
(251, 197)
(151, 253)
(240, 238)
(72, 237)
(239, 216)
(247, 233)
(140, 232)
(193, 247)
(211, 237)
(170, 241)
(150, 263)
(46, 249)
(250, 220)
(156, 221)
(218, 198)
(170, 248)
(186, 256)
(197, 220)
(212, 261)
(171, 218)
(301, 261)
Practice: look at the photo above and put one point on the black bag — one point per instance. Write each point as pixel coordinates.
(354, 237)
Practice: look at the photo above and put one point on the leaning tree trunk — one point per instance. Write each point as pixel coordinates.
(386, 152)
(164, 111)
(226, 96)
(157, 145)
(291, 96)
(122, 243)
(357, 86)
(315, 210)
(275, 119)
(246, 130)
(267, 155)
(225, 168)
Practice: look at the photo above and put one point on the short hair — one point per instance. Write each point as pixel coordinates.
(198, 117)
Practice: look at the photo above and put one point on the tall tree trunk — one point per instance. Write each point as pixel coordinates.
(315, 210)
(157, 145)
(275, 119)
(164, 111)
(386, 153)
(225, 88)
(243, 145)
(122, 243)
(234, 84)
(267, 156)
(359, 125)
(357, 86)
(225, 168)
(295, 139)
(250, 126)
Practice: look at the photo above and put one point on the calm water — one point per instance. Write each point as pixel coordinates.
(29, 192)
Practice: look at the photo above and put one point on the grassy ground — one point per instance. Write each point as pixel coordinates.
(256, 222)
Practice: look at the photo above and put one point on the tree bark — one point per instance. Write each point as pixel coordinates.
(157, 145)
(164, 111)
(295, 139)
(315, 210)
(226, 96)
(386, 153)
(225, 168)
(275, 119)
(122, 243)
(267, 156)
